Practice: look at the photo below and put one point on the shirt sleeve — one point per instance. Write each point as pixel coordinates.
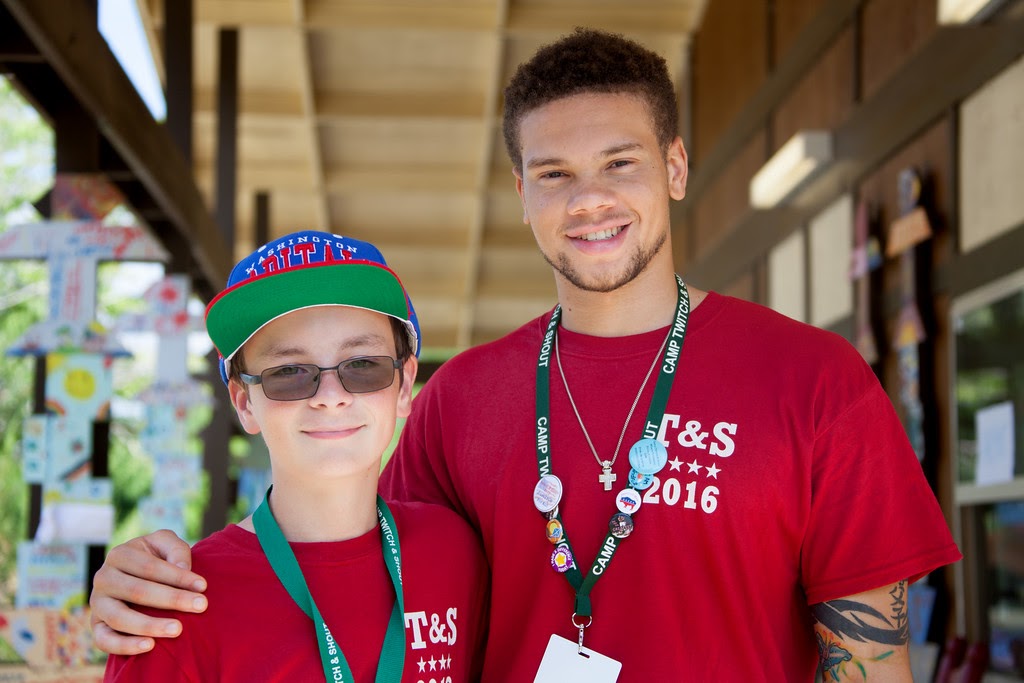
(418, 471)
(874, 519)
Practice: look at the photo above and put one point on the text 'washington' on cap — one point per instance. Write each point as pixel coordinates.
(302, 270)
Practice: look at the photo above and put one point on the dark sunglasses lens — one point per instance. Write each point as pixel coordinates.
(370, 373)
(291, 382)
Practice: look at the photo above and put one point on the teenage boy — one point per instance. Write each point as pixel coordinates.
(735, 498)
(325, 580)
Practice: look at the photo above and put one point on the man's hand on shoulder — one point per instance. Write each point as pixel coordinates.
(151, 571)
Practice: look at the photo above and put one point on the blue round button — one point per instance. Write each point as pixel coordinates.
(648, 456)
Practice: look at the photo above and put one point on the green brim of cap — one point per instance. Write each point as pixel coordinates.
(238, 313)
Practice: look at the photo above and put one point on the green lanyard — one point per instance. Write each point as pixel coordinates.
(580, 584)
(284, 564)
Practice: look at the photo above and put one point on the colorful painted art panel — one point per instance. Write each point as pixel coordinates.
(51, 575)
(79, 385)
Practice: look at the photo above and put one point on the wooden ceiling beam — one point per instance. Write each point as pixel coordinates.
(295, 176)
(623, 18)
(331, 106)
(84, 62)
(292, 176)
(403, 105)
(355, 16)
(15, 47)
(446, 15)
(262, 103)
(244, 12)
(444, 178)
(152, 26)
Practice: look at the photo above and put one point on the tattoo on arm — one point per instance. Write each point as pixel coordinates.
(898, 610)
(851, 620)
(863, 623)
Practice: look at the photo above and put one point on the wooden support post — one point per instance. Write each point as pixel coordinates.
(227, 132)
(178, 60)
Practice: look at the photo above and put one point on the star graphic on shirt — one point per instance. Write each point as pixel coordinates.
(446, 663)
(713, 471)
(423, 665)
(433, 664)
(676, 463)
(694, 466)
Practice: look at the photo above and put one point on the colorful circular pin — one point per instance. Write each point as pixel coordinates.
(561, 558)
(648, 456)
(547, 493)
(620, 525)
(640, 481)
(555, 531)
(628, 501)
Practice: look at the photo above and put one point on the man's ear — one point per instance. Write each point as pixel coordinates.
(677, 165)
(409, 369)
(242, 402)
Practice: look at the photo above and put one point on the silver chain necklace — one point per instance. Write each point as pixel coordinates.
(607, 477)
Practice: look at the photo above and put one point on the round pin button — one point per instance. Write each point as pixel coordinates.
(547, 493)
(648, 456)
(561, 558)
(640, 481)
(620, 525)
(555, 531)
(628, 501)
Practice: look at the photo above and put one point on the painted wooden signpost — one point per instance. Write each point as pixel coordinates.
(78, 352)
(72, 250)
(177, 461)
(905, 233)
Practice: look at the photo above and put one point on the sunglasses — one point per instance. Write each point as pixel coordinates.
(359, 375)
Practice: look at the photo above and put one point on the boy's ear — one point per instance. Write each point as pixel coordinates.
(405, 392)
(242, 402)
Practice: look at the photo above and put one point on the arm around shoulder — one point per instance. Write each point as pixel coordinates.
(152, 571)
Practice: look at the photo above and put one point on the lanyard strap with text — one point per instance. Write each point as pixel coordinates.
(580, 584)
(284, 564)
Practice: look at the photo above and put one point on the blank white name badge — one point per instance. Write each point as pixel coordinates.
(563, 663)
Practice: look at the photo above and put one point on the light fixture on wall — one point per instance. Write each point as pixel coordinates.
(965, 11)
(804, 154)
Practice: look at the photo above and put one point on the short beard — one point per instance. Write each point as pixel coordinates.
(637, 264)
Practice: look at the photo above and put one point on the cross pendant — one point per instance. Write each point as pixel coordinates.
(607, 478)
